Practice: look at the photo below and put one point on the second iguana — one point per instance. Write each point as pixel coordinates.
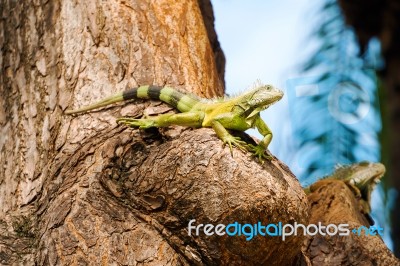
(360, 177)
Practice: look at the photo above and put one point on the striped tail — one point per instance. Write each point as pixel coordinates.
(176, 99)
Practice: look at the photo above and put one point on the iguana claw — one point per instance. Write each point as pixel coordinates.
(259, 151)
(236, 141)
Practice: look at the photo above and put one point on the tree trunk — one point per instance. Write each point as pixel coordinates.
(83, 190)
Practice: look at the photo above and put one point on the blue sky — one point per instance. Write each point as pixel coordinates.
(267, 41)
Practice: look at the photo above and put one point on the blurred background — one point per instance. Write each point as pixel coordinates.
(339, 66)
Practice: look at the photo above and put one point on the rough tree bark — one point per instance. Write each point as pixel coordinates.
(83, 190)
(333, 202)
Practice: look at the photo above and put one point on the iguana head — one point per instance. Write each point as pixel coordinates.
(363, 176)
(261, 97)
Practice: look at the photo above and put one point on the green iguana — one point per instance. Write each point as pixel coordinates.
(361, 178)
(237, 113)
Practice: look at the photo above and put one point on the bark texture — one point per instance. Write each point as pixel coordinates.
(83, 190)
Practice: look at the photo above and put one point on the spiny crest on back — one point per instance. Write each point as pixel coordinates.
(342, 172)
(255, 95)
(255, 86)
(259, 94)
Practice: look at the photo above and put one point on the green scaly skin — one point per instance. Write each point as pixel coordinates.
(361, 178)
(237, 113)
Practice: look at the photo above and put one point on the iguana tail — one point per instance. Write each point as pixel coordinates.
(182, 102)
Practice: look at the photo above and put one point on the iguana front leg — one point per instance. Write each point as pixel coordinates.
(227, 138)
(264, 130)
(188, 119)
